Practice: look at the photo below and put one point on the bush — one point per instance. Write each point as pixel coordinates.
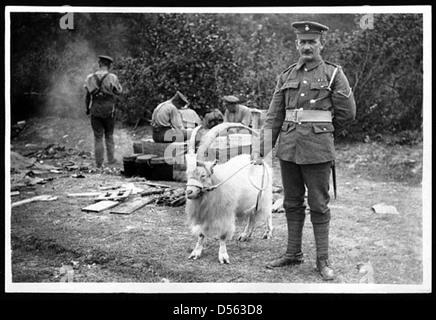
(384, 67)
(189, 53)
(206, 56)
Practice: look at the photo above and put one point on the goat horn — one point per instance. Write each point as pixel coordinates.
(191, 144)
(210, 136)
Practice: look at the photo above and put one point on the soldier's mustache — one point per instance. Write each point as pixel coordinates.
(307, 51)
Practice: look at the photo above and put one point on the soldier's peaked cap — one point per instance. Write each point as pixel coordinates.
(180, 97)
(309, 30)
(107, 58)
(231, 99)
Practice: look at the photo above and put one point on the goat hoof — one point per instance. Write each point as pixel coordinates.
(224, 259)
(242, 238)
(267, 235)
(194, 256)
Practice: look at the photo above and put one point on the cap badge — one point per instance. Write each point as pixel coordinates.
(306, 27)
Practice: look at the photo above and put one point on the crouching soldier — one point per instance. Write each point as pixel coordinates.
(167, 120)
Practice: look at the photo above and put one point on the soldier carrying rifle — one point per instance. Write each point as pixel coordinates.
(101, 89)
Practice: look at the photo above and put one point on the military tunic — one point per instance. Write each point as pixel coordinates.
(103, 104)
(308, 86)
(241, 115)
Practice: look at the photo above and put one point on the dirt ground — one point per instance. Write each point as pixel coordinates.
(56, 241)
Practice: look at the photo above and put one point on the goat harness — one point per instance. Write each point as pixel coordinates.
(195, 183)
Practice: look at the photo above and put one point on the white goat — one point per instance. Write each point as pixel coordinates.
(217, 194)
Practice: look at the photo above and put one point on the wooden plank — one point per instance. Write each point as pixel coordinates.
(84, 194)
(152, 184)
(114, 195)
(131, 206)
(100, 206)
(43, 197)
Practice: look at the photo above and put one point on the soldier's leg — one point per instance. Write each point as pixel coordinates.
(98, 128)
(293, 203)
(109, 127)
(317, 178)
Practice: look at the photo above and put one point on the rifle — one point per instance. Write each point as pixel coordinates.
(89, 105)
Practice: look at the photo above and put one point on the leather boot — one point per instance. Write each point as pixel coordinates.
(286, 260)
(293, 253)
(324, 268)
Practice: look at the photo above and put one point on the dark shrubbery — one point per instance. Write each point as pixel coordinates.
(206, 56)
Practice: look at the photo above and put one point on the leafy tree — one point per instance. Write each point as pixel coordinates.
(384, 66)
(185, 52)
(206, 56)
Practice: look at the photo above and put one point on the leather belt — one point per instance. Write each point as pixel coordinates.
(300, 115)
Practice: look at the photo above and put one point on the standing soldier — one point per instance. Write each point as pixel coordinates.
(312, 99)
(101, 89)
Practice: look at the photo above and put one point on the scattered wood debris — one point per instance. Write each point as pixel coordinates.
(131, 206)
(100, 206)
(172, 198)
(382, 208)
(84, 194)
(120, 194)
(43, 197)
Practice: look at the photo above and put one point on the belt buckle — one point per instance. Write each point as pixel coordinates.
(296, 115)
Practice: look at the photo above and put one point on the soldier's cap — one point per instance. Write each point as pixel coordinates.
(309, 30)
(180, 97)
(107, 58)
(231, 99)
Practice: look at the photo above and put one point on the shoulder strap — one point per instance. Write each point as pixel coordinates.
(332, 78)
(332, 64)
(290, 67)
(99, 81)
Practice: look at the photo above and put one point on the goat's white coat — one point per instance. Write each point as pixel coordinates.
(214, 213)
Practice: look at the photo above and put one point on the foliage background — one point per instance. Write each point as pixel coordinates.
(206, 56)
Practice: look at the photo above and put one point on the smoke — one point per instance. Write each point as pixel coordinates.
(123, 144)
(65, 96)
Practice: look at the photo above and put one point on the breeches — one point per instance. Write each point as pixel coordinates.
(316, 178)
(103, 128)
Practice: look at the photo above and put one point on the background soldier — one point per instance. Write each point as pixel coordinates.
(236, 112)
(312, 99)
(101, 89)
(167, 120)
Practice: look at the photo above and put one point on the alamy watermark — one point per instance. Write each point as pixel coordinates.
(67, 21)
(367, 21)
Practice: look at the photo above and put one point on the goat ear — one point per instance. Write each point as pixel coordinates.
(210, 165)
